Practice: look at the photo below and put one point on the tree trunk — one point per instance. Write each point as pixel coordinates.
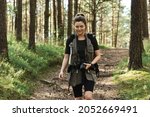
(54, 20)
(113, 25)
(101, 27)
(94, 18)
(69, 18)
(75, 6)
(19, 21)
(117, 24)
(32, 25)
(46, 13)
(13, 21)
(145, 19)
(60, 24)
(3, 31)
(135, 49)
(26, 17)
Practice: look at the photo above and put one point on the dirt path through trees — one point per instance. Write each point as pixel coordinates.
(50, 87)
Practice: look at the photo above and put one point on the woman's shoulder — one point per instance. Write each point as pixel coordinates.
(70, 38)
(90, 35)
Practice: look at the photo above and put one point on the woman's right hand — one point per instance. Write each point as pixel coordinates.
(61, 75)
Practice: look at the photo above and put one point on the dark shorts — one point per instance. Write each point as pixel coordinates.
(88, 86)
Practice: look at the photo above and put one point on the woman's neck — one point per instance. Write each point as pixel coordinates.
(81, 37)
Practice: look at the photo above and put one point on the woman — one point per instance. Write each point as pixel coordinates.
(78, 54)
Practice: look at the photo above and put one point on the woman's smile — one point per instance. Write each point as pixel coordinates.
(80, 28)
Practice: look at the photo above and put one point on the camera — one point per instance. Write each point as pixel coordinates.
(82, 66)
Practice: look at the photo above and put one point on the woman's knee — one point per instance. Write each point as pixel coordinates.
(88, 95)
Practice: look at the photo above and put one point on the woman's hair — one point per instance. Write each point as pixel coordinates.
(80, 17)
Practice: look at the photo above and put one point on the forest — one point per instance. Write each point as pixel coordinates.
(33, 35)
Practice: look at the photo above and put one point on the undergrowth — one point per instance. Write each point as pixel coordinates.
(17, 77)
(134, 84)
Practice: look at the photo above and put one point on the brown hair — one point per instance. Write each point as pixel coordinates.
(80, 17)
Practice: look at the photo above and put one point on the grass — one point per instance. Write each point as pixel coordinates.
(103, 47)
(134, 84)
(17, 77)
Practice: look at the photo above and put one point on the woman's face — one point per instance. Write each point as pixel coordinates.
(80, 28)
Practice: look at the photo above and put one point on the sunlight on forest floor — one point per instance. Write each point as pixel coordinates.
(134, 85)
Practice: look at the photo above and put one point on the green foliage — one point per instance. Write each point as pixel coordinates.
(146, 55)
(22, 58)
(134, 84)
(104, 47)
(17, 77)
(146, 43)
(8, 78)
(53, 54)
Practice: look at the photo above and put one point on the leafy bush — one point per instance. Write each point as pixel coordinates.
(17, 78)
(8, 78)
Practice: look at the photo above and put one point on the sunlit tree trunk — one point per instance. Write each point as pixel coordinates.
(50, 19)
(117, 23)
(13, 17)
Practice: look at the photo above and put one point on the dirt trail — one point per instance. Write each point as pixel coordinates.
(50, 88)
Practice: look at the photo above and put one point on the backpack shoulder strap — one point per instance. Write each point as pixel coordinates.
(90, 36)
(73, 43)
(72, 36)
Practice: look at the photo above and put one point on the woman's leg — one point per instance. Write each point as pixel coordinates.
(88, 95)
(77, 90)
(88, 87)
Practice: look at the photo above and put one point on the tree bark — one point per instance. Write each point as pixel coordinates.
(32, 25)
(54, 20)
(26, 17)
(135, 49)
(3, 31)
(60, 24)
(75, 6)
(46, 14)
(19, 21)
(69, 31)
(117, 23)
(145, 19)
(94, 18)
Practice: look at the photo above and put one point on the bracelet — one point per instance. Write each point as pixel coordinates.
(92, 65)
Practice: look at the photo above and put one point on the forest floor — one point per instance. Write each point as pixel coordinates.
(49, 87)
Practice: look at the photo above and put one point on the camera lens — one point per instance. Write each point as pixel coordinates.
(82, 66)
